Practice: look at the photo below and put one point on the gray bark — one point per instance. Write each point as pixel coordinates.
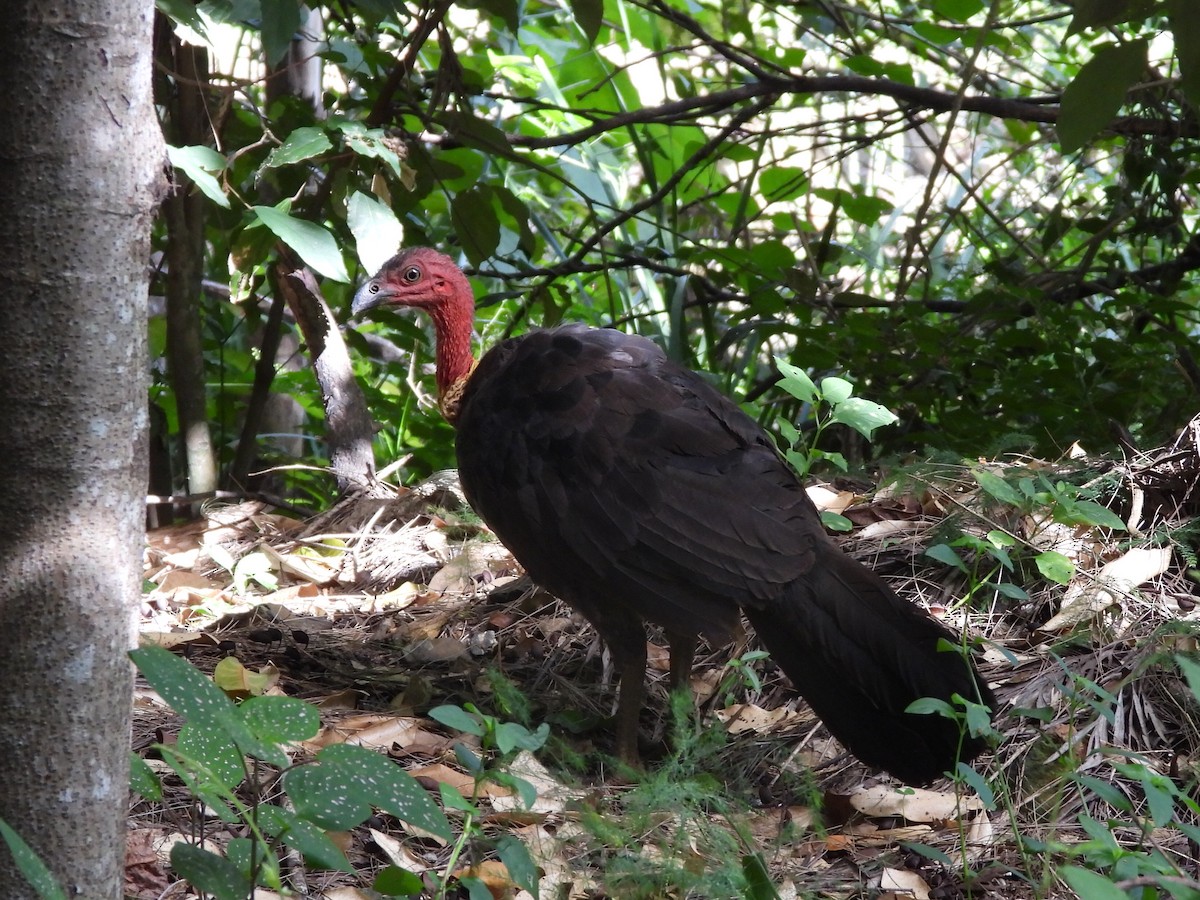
(80, 168)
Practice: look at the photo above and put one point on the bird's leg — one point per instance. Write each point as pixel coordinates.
(630, 661)
(683, 652)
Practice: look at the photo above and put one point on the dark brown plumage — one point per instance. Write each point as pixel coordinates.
(630, 488)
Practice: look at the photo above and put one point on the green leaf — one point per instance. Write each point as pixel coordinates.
(1088, 512)
(338, 790)
(864, 416)
(475, 222)
(957, 10)
(1099, 13)
(1191, 671)
(517, 859)
(313, 243)
(796, 382)
(201, 165)
(377, 232)
(30, 865)
(1185, 24)
(834, 522)
(191, 694)
(303, 836)
(1055, 566)
(372, 143)
(589, 16)
(280, 21)
(780, 184)
(1091, 885)
(758, 881)
(143, 780)
(184, 12)
(944, 553)
(396, 882)
(303, 143)
(213, 749)
(996, 487)
(208, 872)
(280, 720)
(836, 390)
(457, 718)
(1095, 95)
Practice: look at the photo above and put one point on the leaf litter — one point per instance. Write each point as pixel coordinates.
(382, 608)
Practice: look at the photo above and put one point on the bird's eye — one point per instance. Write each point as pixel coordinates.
(374, 288)
(411, 274)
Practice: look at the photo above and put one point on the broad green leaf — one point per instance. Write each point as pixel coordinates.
(836, 390)
(864, 416)
(1091, 885)
(780, 184)
(474, 219)
(1055, 566)
(280, 21)
(191, 694)
(313, 243)
(996, 487)
(944, 553)
(184, 12)
(1185, 24)
(1098, 13)
(505, 10)
(1191, 671)
(377, 232)
(796, 381)
(30, 865)
(280, 720)
(589, 16)
(758, 881)
(303, 143)
(1088, 512)
(519, 862)
(373, 143)
(1095, 95)
(206, 871)
(201, 164)
(213, 749)
(339, 789)
(477, 133)
(957, 10)
(143, 780)
(396, 882)
(457, 718)
(303, 836)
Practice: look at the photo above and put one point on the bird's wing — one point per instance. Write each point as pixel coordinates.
(609, 471)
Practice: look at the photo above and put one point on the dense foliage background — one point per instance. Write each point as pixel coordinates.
(982, 212)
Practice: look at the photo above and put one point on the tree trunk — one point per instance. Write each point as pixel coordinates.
(81, 159)
(188, 125)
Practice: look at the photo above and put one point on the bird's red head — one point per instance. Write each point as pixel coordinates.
(416, 277)
(430, 281)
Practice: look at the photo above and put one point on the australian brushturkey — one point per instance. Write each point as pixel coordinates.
(630, 488)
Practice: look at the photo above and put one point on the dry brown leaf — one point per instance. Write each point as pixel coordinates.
(912, 804)
(743, 717)
(396, 853)
(169, 639)
(901, 883)
(1091, 594)
(828, 500)
(886, 528)
(374, 731)
(495, 877)
(436, 650)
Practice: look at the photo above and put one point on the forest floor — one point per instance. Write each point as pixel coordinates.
(1073, 576)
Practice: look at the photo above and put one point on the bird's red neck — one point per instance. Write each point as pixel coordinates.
(452, 323)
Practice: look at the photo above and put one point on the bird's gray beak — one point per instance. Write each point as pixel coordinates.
(369, 296)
